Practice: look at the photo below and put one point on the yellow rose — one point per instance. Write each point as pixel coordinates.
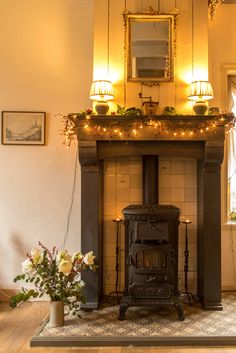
(89, 258)
(77, 256)
(62, 255)
(37, 255)
(65, 267)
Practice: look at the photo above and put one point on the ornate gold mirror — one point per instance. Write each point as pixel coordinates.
(149, 46)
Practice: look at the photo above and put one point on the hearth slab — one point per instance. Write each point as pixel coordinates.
(144, 327)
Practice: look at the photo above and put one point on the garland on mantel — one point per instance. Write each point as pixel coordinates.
(135, 127)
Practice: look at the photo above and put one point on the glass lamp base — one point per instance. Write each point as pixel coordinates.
(200, 108)
(102, 107)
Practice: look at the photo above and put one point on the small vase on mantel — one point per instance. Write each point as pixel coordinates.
(56, 313)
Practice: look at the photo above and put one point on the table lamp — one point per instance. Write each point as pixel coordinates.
(200, 91)
(101, 91)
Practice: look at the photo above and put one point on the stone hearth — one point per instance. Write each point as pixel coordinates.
(196, 137)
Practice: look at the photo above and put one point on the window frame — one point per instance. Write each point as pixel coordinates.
(227, 70)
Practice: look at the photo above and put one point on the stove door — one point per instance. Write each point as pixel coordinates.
(151, 271)
(146, 258)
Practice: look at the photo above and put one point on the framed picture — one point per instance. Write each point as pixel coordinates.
(23, 128)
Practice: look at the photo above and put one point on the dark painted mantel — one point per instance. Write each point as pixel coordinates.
(200, 137)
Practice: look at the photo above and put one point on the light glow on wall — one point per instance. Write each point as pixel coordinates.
(101, 73)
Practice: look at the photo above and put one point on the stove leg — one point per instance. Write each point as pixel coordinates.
(179, 309)
(123, 308)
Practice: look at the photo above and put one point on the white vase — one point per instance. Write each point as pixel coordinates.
(56, 313)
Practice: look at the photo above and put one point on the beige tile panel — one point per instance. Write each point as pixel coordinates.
(164, 167)
(190, 194)
(109, 277)
(136, 167)
(108, 224)
(108, 288)
(109, 167)
(110, 209)
(136, 195)
(190, 181)
(177, 194)
(109, 194)
(109, 250)
(122, 181)
(109, 263)
(164, 181)
(190, 166)
(136, 181)
(190, 208)
(109, 181)
(177, 181)
(177, 166)
(180, 205)
(120, 206)
(164, 194)
(123, 167)
(122, 194)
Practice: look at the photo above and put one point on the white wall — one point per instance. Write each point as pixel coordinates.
(45, 65)
(222, 56)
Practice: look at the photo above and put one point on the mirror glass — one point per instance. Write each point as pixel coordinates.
(149, 47)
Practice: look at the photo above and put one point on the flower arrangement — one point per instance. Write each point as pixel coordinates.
(55, 273)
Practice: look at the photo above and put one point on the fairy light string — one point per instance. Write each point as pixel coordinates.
(120, 127)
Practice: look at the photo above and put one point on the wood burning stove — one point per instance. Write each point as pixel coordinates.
(151, 247)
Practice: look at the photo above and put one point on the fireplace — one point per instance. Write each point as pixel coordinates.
(151, 252)
(195, 138)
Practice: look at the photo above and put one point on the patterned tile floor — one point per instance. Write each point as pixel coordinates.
(151, 322)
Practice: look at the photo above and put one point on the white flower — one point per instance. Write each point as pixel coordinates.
(81, 284)
(27, 267)
(37, 255)
(65, 267)
(63, 255)
(89, 258)
(77, 256)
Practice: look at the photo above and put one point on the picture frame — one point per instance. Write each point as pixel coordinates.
(23, 128)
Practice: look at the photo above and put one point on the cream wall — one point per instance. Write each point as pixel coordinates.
(191, 37)
(45, 65)
(222, 57)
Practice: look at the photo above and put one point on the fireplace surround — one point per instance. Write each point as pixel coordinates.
(205, 144)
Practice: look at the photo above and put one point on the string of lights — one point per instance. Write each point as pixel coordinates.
(120, 127)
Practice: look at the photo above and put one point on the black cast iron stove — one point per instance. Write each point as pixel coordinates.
(151, 252)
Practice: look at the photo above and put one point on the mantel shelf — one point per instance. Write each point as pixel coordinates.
(223, 118)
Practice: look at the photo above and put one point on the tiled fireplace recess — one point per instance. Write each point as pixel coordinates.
(123, 186)
(190, 150)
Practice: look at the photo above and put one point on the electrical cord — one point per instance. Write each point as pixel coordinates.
(66, 235)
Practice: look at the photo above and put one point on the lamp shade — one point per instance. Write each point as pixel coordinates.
(200, 90)
(101, 90)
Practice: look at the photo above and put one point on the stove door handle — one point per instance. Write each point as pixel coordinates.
(130, 260)
(151, 278)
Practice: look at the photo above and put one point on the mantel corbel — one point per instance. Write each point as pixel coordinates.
(88, 153)
(214, 151)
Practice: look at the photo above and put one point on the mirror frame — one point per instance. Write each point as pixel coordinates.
(148, 14)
